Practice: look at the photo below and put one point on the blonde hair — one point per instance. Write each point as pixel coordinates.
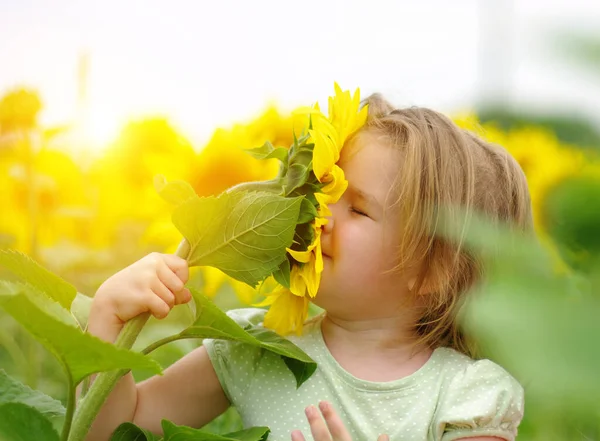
(443, 165)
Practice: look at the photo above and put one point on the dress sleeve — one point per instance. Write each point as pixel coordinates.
(481, 400)
(236, 362)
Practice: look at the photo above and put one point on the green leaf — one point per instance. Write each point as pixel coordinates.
(81, 354)
(26, 269)
(244, 234)
(80, 308)
(571, 214)
(211, 322)
(12, 391)
(258, 433)
(131, 432)
(307, 212)
(174, 192)
(300, 167)
(301, 365)
(267, 151)
(174, 432)
(536, 322)
(296, 177)
(19, 422)
(303, 237)
(282, 275)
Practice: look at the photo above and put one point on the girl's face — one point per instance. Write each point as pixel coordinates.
(360, 242)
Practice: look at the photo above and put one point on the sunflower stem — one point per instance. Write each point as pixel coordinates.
(105, 382)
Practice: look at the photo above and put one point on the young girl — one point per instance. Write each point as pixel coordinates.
(391, 358)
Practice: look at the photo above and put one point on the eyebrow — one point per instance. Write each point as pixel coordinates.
(365, 197)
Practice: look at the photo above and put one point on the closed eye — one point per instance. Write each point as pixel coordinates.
(354, 210)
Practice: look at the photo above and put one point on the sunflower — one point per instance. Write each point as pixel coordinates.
(289, 307)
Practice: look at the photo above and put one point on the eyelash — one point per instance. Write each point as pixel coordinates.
(356, 211)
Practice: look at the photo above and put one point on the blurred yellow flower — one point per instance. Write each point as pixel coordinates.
(223, 163)
(544, 160)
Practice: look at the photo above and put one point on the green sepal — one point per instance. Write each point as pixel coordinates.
(282, 275)
(299, 170)
(267, 151)
(308, 211)
(303, 237)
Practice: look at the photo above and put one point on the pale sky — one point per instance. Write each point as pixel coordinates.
(208, 64)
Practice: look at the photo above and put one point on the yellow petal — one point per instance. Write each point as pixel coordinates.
(311, 279)
(337, 186)
(297, 284)
(306, 110)
(318, 257)
(300, 256)
(269, 300)
(325, 153)
(287, 313)
(323, 200)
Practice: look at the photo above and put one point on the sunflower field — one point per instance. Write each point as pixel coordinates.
(86, 219)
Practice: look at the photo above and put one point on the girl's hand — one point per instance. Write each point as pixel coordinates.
(332, 429)
(153, 284)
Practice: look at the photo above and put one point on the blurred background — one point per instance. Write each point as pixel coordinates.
(98, 97)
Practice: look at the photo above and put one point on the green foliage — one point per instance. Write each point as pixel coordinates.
(569, 129)
(243, 234)
(572, 217)
(267, 151)
(25, 268)
(182, 433)
(539, 323)
(12, 391)
(175, 192)
(131, 432)
(173, 432)
(211, 322)
(19, 422)
(81, 354)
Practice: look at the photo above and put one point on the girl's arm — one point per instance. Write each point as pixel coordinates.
(189, 391)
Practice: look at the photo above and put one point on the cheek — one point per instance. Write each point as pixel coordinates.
(363, 248)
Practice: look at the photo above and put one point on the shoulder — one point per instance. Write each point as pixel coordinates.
(478, 398)
(480, 375)
(235, 362)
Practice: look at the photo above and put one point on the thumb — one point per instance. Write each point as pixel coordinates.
(383, 437)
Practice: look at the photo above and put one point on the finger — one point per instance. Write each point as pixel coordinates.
(179, 266)
(183, 296)
(157, 306)
(334, 422)
(383, 437)
(297, 436)
(169, 278)
(318, 428)
(164, 293)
